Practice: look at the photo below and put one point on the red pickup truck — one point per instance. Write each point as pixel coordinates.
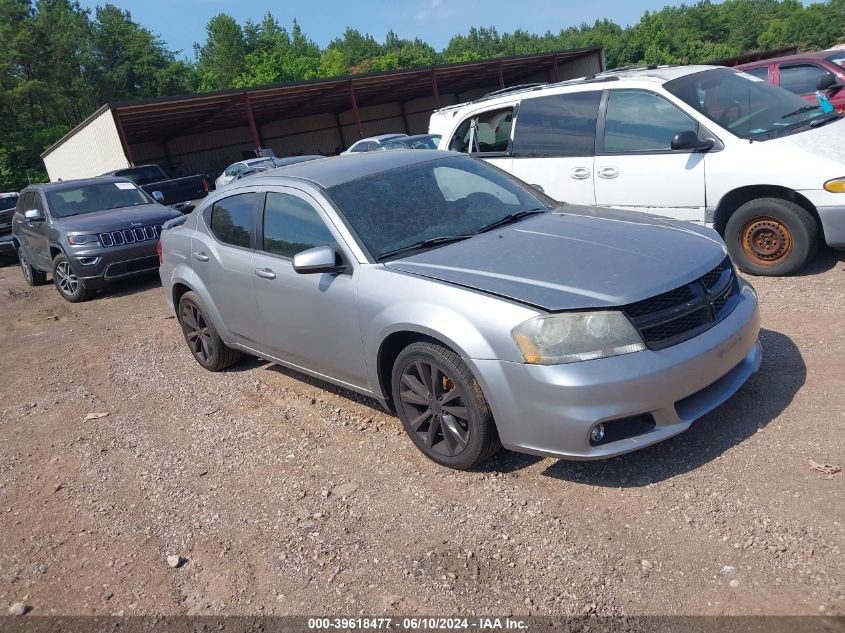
(801, 74)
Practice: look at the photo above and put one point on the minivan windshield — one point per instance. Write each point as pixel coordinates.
(432, 203)
(748, 106)
(90, 198)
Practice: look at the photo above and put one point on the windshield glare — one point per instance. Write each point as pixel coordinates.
(439, 198)
(748, 106)
(95, 197)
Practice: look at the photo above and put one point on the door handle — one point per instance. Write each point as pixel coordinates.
(265, 273)
(579, 173)
(608, 172)
(202, 257)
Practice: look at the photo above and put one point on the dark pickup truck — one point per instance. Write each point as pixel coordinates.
(8, 201)
(176, 192)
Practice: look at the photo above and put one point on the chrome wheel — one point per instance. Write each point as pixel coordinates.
(67, 282)
(197, 332)
(435, 408)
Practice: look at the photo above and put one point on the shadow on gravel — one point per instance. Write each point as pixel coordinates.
(762, 399)
(825, 260)
(131, 286)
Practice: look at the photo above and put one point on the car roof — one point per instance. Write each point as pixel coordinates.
(336, 170)
(789, 58)
(70, 184)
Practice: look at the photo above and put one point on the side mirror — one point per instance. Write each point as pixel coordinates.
(320, 259)
(827, 81)
(688, 140)
(33, 215)
(538, 188)
(158, 196)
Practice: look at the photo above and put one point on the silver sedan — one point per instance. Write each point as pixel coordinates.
(479, 310)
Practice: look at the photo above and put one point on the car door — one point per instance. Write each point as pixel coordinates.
(801, 79)
(221, 256)
(34, 232)
(486, 134)
(554, 143)
(635, 165)
(309, 320)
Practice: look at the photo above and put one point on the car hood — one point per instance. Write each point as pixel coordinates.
(827, 141)
(577, 257)
(118, 219)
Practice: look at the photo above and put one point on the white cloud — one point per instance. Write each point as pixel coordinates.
(433, 9)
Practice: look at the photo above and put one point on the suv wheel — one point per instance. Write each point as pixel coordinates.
(205, 343)
(441, 406)
(771, 237)
(66, 281)
(32, 276)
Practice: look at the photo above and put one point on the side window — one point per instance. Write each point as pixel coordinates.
(231, 170)
(558, 125)
(640, 121)
(231, 219)
(291, 226)
(800, 79)
(24, 202)
(366, 146)
(486, 132)
(761, 73)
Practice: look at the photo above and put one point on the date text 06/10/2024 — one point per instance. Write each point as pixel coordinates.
(417, 624)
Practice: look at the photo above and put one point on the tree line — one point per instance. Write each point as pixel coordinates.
(59, 62)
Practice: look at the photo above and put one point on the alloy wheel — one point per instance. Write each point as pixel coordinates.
(435, 407)
(197, 332)
(68, 282)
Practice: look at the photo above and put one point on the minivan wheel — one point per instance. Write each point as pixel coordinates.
(441, 406)
(771, 237)
(202, 338)
(32, 276)
(66, 282)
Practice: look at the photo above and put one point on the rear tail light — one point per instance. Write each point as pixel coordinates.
(205, 185)
(160, 254)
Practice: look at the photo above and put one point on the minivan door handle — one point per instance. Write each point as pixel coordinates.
(579, 173)
(608, 172)
(201, 257)
(265, 273)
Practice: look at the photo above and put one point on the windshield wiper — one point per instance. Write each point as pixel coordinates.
(508, 219)
(801, 110)
(831, 116)
(432, 241)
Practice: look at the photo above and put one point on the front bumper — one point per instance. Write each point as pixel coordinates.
(112, 263)
(7, 247)
(550, 410)
(833, 225)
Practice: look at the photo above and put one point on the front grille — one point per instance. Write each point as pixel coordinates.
(130, 236)
(675, 316)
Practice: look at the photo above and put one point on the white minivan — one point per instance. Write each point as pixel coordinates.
(704, 144)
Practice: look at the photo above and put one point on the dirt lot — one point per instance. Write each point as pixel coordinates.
(286, 496)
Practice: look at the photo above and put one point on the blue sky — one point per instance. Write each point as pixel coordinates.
(182, 22)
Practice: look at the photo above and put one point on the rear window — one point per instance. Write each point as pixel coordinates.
(8, 202)
(557, 125)
(231, 219)
(142, 175)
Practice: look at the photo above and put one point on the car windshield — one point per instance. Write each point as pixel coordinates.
(94, 197)
(838, 58)
(446, 198)
(748, 106)
(142, 175)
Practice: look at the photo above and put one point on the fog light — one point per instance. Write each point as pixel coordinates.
(597, 434)
(89, 261)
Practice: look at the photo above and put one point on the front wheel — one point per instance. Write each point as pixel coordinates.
(441, 406)
(771, 237)
(66, 281)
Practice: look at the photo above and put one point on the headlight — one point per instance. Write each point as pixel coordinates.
(76, 240)
(574, 336)
(837, 185)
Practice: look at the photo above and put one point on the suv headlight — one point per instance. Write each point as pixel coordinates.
(837, 185)
(76, 240)
(575, 336)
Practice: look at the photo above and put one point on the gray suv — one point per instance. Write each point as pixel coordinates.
(86, 233)
(482, 312)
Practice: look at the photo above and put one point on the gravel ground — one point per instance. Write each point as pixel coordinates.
(260, 491)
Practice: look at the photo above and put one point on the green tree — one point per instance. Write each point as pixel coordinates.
(222, 59)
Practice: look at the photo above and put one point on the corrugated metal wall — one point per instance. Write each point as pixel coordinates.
(94, 148)
(212, 152)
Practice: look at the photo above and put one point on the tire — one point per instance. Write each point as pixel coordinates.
(771, 237)
(67, 283)
(206, 346)
(32, 276)
(460, 435)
